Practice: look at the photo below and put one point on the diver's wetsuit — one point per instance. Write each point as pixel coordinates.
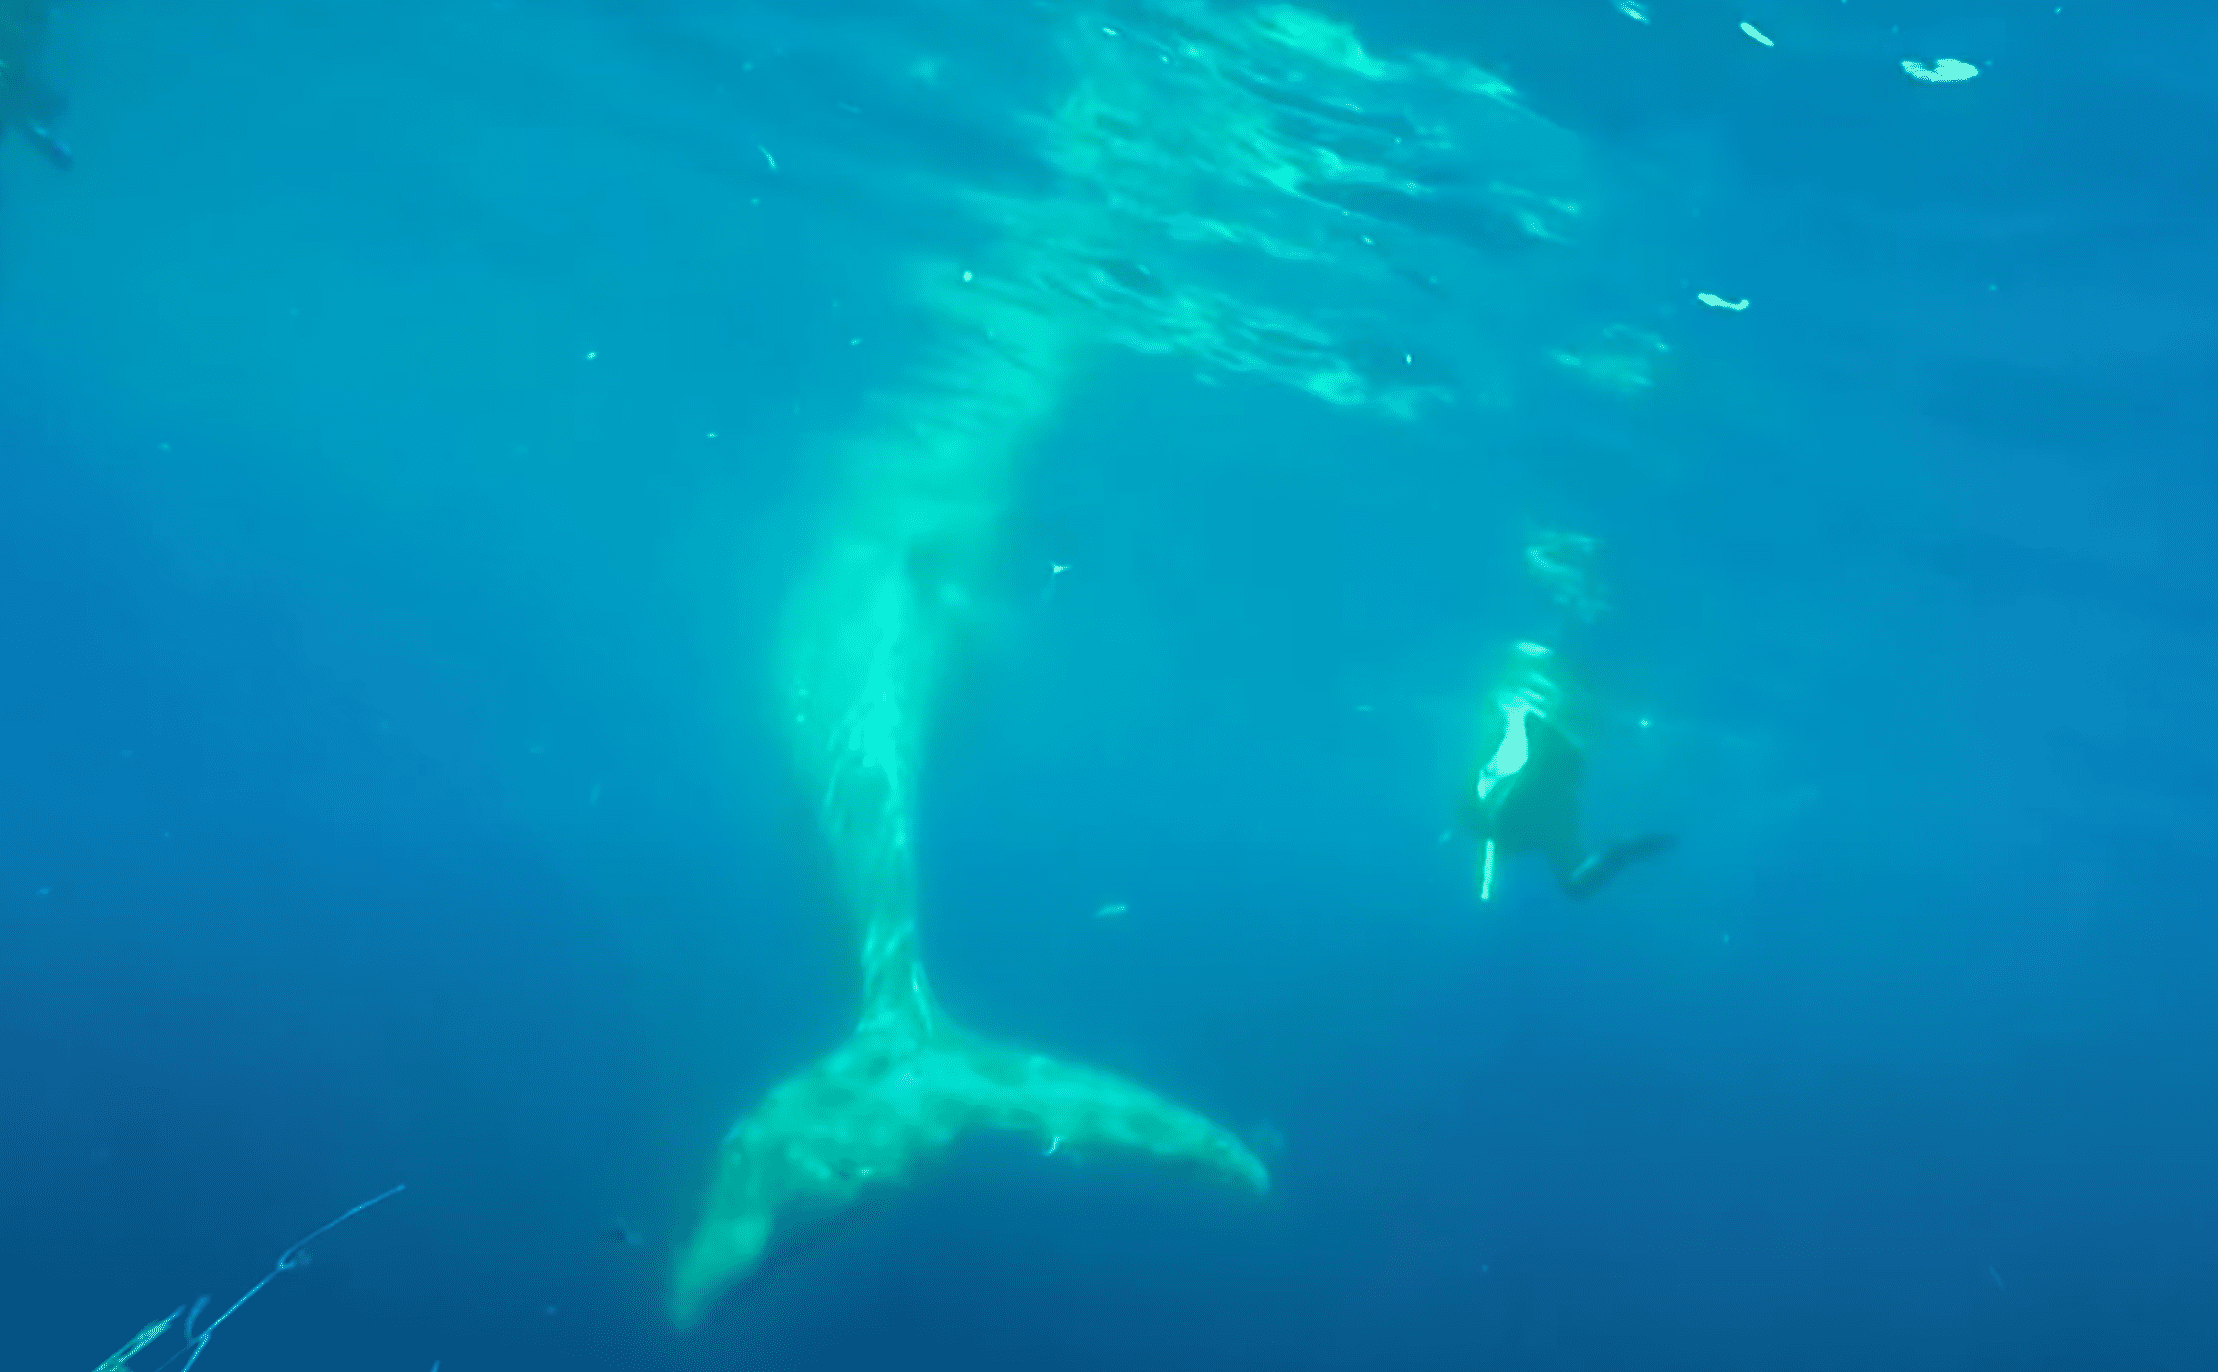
(1525, 799)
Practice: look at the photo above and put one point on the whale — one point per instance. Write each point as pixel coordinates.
(1270, 136)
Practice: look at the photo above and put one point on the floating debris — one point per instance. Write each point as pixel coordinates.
(1719, 302)
(1115, 909)
(1758, 34)
(1633, 10)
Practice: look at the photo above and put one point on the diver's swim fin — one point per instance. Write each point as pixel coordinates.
(1601, 866)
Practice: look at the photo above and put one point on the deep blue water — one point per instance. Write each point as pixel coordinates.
(390, 786)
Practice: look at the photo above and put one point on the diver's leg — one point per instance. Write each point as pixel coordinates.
(1597, 869)
(1547, 821)
(1565, 858)
(50, 143)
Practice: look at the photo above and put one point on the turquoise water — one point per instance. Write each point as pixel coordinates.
(417, 418)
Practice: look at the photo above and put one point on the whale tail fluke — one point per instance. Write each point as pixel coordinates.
(865, 1115)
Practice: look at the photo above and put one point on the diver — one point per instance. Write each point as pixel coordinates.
(26, 105)
(1525, 797)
